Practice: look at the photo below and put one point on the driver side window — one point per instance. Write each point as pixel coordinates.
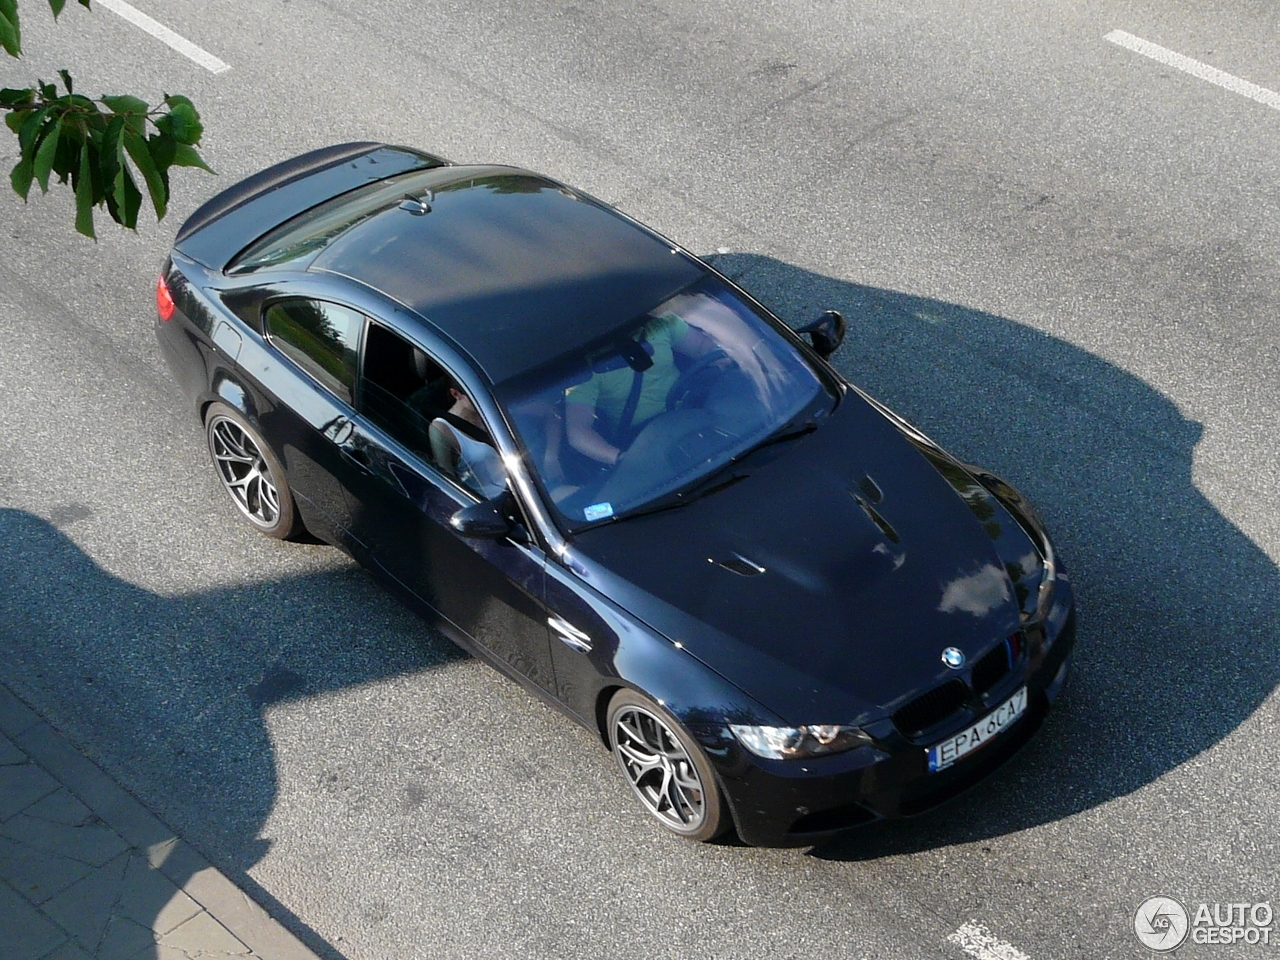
(395, 391)
(410, 396)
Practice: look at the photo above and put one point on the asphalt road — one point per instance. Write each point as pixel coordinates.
(1059, 257)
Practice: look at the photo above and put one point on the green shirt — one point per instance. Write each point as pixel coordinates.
(607, 392)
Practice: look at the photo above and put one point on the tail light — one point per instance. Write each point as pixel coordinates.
(164, 299)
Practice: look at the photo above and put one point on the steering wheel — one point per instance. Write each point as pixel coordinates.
(667, 447)
(689, 381)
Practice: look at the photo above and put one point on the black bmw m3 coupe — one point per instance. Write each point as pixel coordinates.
(601, 466)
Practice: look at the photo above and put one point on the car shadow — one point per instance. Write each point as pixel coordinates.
(1176, 644)
(173, 690)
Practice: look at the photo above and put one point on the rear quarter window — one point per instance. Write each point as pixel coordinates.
(310, 232)
(320, 337)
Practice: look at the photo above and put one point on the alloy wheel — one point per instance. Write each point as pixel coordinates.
(244, 472)
(659, 769)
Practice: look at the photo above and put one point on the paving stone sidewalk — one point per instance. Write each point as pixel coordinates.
(87, 871)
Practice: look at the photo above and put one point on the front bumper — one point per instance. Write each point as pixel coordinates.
(783, 803)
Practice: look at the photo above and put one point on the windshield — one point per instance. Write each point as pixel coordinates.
(659, 404)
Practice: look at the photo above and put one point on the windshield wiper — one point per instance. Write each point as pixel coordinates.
(684, 497)
(716, 480)
(803, 430)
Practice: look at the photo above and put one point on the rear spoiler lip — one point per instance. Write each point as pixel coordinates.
(274, 176)
(227, 223)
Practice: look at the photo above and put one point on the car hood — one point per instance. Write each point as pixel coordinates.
(828, 582)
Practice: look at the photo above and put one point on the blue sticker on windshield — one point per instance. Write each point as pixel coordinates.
(598, 511)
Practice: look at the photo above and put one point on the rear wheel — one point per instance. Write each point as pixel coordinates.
(250, 473)
(665, 767)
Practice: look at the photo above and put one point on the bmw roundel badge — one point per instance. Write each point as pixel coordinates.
(953, 657)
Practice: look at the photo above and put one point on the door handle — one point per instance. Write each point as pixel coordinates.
(339, 430)
(342, 432)
(569, 634)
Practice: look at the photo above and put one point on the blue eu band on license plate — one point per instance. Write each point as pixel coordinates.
(944, 754)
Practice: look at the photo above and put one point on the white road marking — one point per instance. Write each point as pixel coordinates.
(165, 35)
(1195, 68)
(977, 941)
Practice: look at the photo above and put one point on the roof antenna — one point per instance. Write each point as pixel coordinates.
(418, 206)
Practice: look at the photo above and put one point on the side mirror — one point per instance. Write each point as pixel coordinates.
(482, 521)
(826, 333)
(491, 520)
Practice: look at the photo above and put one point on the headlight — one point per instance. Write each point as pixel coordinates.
(794, 743)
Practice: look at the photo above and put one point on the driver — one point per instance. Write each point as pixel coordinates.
(604, 414)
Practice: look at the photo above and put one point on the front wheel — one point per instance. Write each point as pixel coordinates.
(250, 473)
(665, 767)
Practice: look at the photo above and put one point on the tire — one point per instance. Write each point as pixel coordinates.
(665, 768)
(250, 473)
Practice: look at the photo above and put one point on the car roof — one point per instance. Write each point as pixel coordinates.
(515, 268)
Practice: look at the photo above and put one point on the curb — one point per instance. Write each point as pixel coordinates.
(226, 903)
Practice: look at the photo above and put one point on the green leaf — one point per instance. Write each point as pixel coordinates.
(111, 160)
(10, 35)
(127, 200)
(123, 197)
(29, 132)
(167, 152)
(68, 155)
(87, 112)
(44, 156)
(84, 195)
(163, 149)
(66, 80)
(56, 6)
(14, 97)
(182, 122)
(123, 103)
(141, 157)
(185, 156)
(20, 177)
(132, 109)
(99, 185)
(47, 90)
(15, 119)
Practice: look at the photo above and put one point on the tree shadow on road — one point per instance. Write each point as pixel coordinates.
(174, 689)
(1176, 645)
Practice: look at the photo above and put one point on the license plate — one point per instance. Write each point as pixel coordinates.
(944, 754)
